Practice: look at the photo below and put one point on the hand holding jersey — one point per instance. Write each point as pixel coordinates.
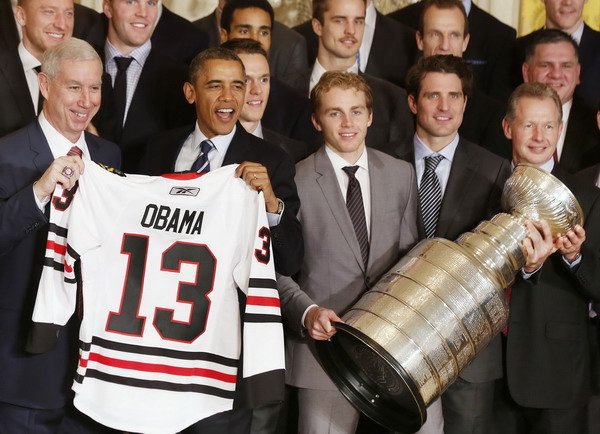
(57, 174)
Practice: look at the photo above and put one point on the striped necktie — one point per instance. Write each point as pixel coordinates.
(430, 195)
(202, 163)
(356, 210)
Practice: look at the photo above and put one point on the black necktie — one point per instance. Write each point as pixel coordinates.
(202, 164)
(356, 209)
(120, 91)
(430, 195)
(40, 104)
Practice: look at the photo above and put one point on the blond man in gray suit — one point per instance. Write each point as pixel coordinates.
(347, 247)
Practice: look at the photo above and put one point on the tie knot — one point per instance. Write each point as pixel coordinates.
(431, 162)
(205, 146)
(350, 171)
(123, 62)
(75, 150)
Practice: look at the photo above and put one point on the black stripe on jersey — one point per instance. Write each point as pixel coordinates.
(162, 352)
(155, 384)
(261, 318)
(58, 230)
(72, 253)
(74, 280)
(263, 283)
(50, 262)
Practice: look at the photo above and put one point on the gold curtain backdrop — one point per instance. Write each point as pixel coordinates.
(532, 15)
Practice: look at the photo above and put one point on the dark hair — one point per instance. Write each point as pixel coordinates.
(445, 63)
(532, 90)
(322, 6)
(343, 80)
(232, 5)
(548, 36)
(443, 4)
(216, 53)
(244, 46)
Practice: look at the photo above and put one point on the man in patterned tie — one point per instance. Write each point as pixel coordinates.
(460, 184)
(34, 388)
(358, 218)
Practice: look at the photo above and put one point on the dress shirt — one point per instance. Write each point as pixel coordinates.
(577, 34)
(140, 54)
(29, 62)
(566, 111)
(443, 169)
(318, 71)
(258, 132)
(367, 41)
(191, 149)
(467, 5)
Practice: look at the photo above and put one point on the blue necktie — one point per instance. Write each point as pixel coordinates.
(202, 164)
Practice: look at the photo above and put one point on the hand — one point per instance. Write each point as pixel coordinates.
(569, 245)
(318, 323)
(55, 174)
(257, 177)
(538, 245)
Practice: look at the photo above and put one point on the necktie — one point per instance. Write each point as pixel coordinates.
(120, 91)
(430, 195)
(75, 150)
(202, 164)
(40, 104)
(356, 209)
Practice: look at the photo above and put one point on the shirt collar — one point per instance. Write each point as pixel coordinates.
(370, 16)
(139, 55)
(467, 4)
(57, 139)
(422, 150)
(338, 162)
(577, 34)
(221, 143)
(27, 59)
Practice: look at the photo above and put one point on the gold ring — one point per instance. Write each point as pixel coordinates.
(254, 175)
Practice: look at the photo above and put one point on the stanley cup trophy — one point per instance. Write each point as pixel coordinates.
(407, 339)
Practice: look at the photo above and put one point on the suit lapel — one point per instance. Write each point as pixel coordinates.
(456, 190)
(378, 199)
(139, 101)
(327, 181)
(236, 153)
(12, 70)
(42, 156)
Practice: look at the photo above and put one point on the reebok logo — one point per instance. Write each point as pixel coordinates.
(184, 191)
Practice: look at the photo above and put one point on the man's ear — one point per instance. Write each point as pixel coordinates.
(224, 36)
(317, 27)
(316, 123)
(412, 104)
(507, 129)
(419, 39)
(189, 92)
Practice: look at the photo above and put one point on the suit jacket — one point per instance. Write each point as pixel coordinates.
(387, 61)
(158, 104)
(333, 274)
(289, 113)
(392, 119)
(286, 237)
(581, 148)
(16, 106)
(590, 175)
(9, 36)
(41, 380)
(288, 51)
(472, 194)
(211, 28)
(548, 347)
(294, 148)
(588, 91)
(489, 51)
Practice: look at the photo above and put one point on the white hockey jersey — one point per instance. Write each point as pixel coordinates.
(162, 262)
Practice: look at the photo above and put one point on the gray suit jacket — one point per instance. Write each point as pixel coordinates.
(332, 273)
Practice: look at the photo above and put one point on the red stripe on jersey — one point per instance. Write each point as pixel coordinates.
(58, 248)
(164, 369)
(183, 176)
(262, 301)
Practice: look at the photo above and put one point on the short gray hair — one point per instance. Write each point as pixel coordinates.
(72, 49)
(532, 90)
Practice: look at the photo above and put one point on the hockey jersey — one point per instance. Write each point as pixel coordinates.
(166, 262)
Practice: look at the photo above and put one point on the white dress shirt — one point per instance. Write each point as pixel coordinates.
(443, 169)
(566, 111)
(29, 62)
(367, 41)
(318, 71)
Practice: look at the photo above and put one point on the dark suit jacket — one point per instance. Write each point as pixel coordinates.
(548, 347)
(9, 36)
(582, 139)
(489, 51)
(289, 113)
(158, 104)
(588, 91)
(294, 148)
(392, 119)
(43, 380)
(590, 175)
(16, 107)
(209, 25)
(286, 237)
(389, 61)
(472, 194)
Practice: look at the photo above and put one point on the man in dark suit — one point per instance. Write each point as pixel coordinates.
(552, 58)
(344, 257)
(548, 357)
(339, 41)
(287, 112)
(471, 181)
(258, 85)
(35, 388)
(569, 19)
(378, 57)
(19, 93)
(144, 96)
(489, 50)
